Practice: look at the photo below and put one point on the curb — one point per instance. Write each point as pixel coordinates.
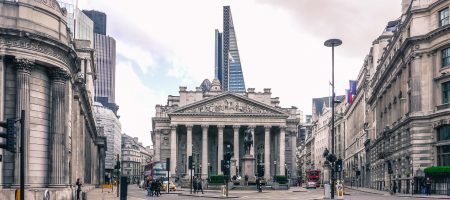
(208, 196)
(379, 193)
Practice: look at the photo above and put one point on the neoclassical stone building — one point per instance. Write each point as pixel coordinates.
(409, 97)
(206, 123)
(49, 75)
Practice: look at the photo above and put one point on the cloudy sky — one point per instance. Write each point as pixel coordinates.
(167, 43)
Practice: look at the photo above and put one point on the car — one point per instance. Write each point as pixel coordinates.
(311, 184)
(171, 186)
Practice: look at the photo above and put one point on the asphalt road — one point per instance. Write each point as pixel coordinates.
(135, 193)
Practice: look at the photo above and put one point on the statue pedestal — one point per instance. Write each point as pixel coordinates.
(248, 167)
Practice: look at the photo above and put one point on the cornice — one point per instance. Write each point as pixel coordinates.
(19, 39)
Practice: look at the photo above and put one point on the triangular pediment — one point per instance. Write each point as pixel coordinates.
(228, 103)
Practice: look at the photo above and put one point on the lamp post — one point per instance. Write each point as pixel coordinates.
(332, 43)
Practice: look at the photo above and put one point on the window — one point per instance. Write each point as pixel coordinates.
(443, 17)
(444, 133)
(446, 92)
(444, 155)
(446, 57)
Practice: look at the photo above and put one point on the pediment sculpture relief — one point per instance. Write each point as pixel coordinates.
(227, 106)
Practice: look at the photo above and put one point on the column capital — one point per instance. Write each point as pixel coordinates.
(221, 126)
(236, 126)
(189, 126)
(252, 126)
(267, 127)
(283, 127)
(57, 74)
(24, 65)
(173, 126)
(205, 126)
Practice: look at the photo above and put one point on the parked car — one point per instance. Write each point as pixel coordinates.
(311, 184)
(171, 186)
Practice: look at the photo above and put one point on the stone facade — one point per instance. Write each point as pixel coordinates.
(400, 113)
(44, 72)
(408, 96)
(131, 158)
(108, 122)
(205, 124)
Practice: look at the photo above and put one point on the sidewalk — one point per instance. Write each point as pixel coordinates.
(373, 191)
(97, 193)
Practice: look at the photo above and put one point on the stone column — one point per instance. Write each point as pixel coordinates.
(58, 166)
(282, 150)
(24, 67)
(188, 144)
(220, 148)
(102, 165)
(173, 149)
(236, 145)
(205, 150)
(267, 152)
(294, 154)
(157, 145)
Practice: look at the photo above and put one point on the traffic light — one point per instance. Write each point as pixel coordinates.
(338, 165)
(190, 162)
(10, 135)
(331, 157)
(168, 164)
(260, 170)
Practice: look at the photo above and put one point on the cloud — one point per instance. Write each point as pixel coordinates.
(136, 102)
(356, 22)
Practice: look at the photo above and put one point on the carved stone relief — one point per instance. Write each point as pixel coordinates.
(228, 105)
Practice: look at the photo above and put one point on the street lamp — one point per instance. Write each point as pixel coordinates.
(332, 43)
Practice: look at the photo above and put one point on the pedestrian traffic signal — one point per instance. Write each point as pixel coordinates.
(10, 135)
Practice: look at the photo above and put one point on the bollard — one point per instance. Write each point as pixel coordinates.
(123, 188)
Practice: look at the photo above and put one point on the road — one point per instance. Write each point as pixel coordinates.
(135, 193)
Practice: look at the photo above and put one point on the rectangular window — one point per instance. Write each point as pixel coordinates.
(444, 155)
(444, 133)
(443, 17)
(446, 57)
(446, 92)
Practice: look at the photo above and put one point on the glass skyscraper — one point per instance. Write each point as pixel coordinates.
(228, 69)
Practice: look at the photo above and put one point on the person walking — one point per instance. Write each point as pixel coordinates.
(200, 184)
(394, 188)
(194, 184)
(78, 187)
(428, 186)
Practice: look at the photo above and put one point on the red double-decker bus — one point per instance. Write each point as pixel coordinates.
(313, 177)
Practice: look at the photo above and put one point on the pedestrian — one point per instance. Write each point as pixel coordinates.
(394, 188)
(200, 184)
(78, 186)
(194, 184)
(149, 187)
(428, 186)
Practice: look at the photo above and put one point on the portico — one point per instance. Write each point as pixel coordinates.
(208, 128)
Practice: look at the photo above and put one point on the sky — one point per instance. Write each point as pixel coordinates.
(164, 44)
